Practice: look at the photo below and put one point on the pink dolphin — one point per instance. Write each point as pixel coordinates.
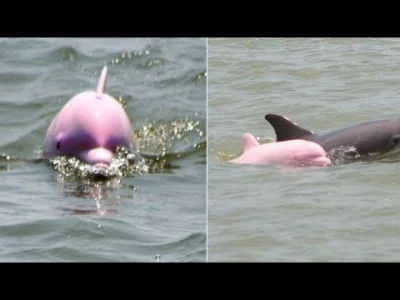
(90, 127)
(293, 152)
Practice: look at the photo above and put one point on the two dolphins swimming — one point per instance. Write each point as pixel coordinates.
(296, 145)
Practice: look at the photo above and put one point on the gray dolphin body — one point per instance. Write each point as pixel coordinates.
(354, 141)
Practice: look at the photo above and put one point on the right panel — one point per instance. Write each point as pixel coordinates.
(326, 195)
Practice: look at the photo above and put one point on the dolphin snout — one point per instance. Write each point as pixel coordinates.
(99, 157)
(321, 161)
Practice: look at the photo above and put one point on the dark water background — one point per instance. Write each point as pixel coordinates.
(159, 215)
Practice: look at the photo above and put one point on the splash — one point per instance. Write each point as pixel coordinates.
(125, 163)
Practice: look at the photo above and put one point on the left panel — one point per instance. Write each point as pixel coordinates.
(103, 150)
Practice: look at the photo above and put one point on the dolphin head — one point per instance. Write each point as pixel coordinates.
(90, 127)
(309, 153)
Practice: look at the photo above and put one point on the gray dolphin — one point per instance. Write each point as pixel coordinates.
(354, 141)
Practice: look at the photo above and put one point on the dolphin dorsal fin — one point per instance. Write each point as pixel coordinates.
(101, 86)
(286, 129)
(249, 141)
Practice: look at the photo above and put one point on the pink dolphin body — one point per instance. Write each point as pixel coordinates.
(90, 127)
(293, 152)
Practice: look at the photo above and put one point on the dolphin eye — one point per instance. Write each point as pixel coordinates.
(58, 145)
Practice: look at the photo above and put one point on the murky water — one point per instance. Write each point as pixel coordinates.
(344, 213)
(155, 215)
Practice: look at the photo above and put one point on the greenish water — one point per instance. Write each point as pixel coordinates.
(344, 213)
(47, 216)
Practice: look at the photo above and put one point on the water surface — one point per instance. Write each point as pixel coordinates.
(157, 215)
(344, 213)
